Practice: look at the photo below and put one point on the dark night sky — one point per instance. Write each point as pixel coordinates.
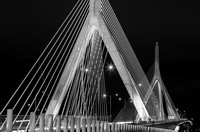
(27, 26)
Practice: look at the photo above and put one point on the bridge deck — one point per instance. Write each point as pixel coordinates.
(167, 124)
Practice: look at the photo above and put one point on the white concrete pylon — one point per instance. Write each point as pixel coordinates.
(94, 22)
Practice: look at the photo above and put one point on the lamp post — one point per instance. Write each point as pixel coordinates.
(110, 102)
(124, 105)
(110, 105)
(110, 98)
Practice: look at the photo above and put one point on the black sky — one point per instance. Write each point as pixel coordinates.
(27, 26)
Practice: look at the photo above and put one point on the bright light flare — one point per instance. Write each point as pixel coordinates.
(86, 70)
(110, 67)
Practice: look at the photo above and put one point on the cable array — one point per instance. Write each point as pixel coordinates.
(83, 96)
(142, 84)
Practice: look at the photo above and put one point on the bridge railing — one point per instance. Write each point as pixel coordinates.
(72, 124)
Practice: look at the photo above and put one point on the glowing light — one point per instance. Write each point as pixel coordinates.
(120, 99)
(22, 120)
(128, 122)
(110, 67)
(116, 94)
(139, 84)
(104, 95)
(86, 70)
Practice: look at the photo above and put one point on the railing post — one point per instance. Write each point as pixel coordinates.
(32, 122)
(125, 130)
(58, 124)
(128, 128)
(132, 126)
(88, 125)
(109, 127)
(83, 125)
(115, 127)
(125, 127)
(102, 126)
(65, 124)
(71, 124)
(50, 123)
(42, 123)
(9, 125)
(93, 124)
(120, 127)
(105, 126)
(97, 126)
(77, 124)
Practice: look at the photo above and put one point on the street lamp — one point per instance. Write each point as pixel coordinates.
(110, 67)
(110, 99)
(86, 70)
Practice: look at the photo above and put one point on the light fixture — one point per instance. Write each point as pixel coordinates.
(110, 67)
(86, 69)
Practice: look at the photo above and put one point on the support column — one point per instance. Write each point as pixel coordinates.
(102, 126)
(77, 124)
(112, 127)
(65, 124)
(105, 126)
(71, 124)
(50, 123)
(83, 125)
(58, 124)
(32, 122)
(108, 127)
(42, 123)
(93, 125)
(120, 127)
(97, 126)
(115, 127)
(88, 125)
(9, 125)
(128, 81)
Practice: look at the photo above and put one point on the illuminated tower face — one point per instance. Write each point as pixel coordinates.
(168, 110)
(93, 31)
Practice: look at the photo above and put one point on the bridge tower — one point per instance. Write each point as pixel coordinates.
(158, 85)
(94, 23)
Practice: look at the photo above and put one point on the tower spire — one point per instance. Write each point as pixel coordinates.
(95, 7)
(157, 60)
(158, 79)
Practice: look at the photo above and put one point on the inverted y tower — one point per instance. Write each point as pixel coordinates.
(95, 23)
(163, 96)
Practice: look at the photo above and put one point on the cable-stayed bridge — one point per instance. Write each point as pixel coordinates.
(65, 86)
